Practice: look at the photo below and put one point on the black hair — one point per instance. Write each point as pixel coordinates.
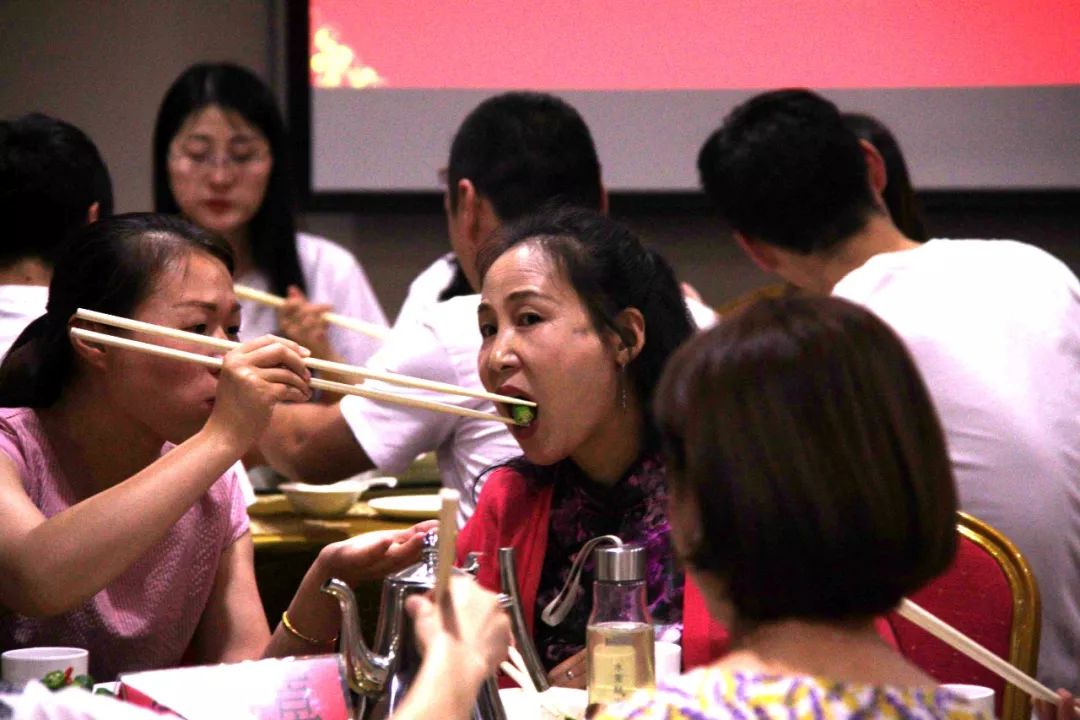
(610, 270)
(783, 168)
(236, 89)
(801, 438)
(899, 195)
(522, 150)
(109, 266)
(50, 175)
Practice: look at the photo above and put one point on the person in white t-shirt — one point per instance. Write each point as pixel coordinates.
(52, 181)
(512, 155)
(441, 280)
(220, 159)
(994, 327)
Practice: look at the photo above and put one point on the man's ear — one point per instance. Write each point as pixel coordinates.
(630, 324)
(468, 210)
(604, 200)
(759, 253)
(876, 172)
(93, 213)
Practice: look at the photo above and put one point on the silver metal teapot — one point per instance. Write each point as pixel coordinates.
(382, 674)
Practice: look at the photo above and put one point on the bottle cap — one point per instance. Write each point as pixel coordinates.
(620, 564)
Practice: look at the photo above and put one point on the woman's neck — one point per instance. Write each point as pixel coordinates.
(26, 271)
(96, 446)
(851, 652)
(240, 242)
(615, 446)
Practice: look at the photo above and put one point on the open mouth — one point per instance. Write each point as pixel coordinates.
(522, 415)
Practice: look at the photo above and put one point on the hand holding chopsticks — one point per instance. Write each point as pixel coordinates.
(369, 329)
(316, 364)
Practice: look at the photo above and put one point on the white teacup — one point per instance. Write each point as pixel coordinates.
(25, 664)
(981, 699)
(668, 657)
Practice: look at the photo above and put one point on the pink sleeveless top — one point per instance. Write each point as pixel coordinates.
(146, 617)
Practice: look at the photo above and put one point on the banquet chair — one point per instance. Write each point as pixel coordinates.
(988, 567)
(989, 594)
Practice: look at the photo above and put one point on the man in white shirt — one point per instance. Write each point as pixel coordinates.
(994, 327)
(52, 180)
(512, 155)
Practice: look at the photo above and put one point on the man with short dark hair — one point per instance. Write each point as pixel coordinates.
(994, 326)
(513, 154)
(52, 180)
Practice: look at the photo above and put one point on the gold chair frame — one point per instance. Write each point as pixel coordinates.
(1026, 607)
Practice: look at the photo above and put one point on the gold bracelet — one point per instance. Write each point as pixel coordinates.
(293, 631)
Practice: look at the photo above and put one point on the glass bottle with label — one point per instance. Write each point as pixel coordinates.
(619, 633)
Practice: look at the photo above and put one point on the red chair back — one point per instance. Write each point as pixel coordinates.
(989, 594)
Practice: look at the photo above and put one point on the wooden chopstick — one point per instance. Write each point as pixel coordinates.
(313, 363)
(961, 642)
(369, 329)
(450, 499)
(327, 385)
(520, 674)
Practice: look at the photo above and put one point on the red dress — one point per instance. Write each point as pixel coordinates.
(511, 512)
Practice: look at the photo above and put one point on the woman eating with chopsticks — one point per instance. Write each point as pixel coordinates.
(579, 317)
(810, 492)
(124, 531)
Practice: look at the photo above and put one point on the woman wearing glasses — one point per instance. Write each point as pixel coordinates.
(220, 159)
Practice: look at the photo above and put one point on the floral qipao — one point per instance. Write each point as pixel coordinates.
(715, 694)
(634, 509)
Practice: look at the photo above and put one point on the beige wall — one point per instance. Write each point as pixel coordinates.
(105, 64)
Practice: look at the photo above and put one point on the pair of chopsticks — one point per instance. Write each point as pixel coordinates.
(369, 329)
(519, 673)
(448, 511)
(962, 643)
(313, 363)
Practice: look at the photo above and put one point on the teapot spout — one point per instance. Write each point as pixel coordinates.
(367, 671)
(522, 638)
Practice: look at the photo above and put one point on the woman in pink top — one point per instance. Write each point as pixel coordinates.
(123, 530)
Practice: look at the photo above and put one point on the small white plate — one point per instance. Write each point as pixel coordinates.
(520, 706)
(411, 507)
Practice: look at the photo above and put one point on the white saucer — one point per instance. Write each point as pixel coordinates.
(410, 507)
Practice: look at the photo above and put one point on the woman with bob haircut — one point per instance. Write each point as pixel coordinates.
(579, 317)
(124, 531)
(221, 160)
(810, 492)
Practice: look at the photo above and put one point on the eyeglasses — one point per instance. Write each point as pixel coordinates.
(204, 162)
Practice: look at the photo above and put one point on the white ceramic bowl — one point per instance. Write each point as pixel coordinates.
(329, 500)
(21, 666)
(320, 500)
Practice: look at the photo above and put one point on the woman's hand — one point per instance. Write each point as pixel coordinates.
(464, 638)
(303, 322)
(571, 672)
(467, 631)
(1064, 710)
(365, 557)
(374, 555)
(254, 378)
